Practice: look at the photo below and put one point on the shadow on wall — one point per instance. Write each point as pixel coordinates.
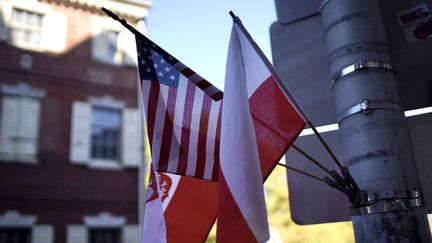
(88, 61)
(4, 31)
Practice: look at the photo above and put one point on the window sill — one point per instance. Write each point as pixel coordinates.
(111, 62)
(19, 159)
(105, 165)
(27, 46)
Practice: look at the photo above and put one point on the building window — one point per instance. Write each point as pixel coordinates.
(15, 235)
(101, 235)
(33, 25)
(27, 26)
(111, 43)
(105, 47)
(18, 228)
(113, 54)
(103, 228)
(19, 123)
(105, 133)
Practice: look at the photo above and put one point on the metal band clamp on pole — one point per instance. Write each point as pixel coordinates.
(366, 107)
(360, 65)
(388, 201)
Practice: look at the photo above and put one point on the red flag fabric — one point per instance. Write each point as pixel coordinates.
(191, 212)
(184, 210)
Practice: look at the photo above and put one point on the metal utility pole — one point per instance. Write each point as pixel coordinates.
(375, 140)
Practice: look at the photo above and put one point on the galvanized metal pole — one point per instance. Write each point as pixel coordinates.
(376, 145)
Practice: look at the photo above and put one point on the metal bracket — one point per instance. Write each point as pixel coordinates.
(366, 107)
(360, 65)
(387, 201)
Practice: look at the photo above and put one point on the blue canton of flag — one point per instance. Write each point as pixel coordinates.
(154, 67)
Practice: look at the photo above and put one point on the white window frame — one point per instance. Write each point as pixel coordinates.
(79, 233)
(27, 27)
(39, 233)
(107, 102)
(125, 54)
(23, 91)
(53, 31)
(130, 142)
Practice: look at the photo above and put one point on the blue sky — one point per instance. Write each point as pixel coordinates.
(197, 32)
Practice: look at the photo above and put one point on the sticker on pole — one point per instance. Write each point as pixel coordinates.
(416, 23)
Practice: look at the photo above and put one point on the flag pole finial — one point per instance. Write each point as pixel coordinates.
(111, 14)
(232, 14)
(122, 21)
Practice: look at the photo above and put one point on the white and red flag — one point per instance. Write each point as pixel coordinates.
(154, 221)
(242, 215)
(183, 211)
(253, 105)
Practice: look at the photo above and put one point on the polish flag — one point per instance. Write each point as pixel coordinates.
(242, 215)
(252, 97)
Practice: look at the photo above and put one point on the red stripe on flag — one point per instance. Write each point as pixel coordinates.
(234, 227)
(185, 136)
(275, 130)
(215, 173)
(217, 96)
(187, 72)
(203, 84)
(167, 130)
(152, 108)
(202, 137)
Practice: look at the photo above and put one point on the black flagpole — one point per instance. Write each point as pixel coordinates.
(302, 172)
(122, 21)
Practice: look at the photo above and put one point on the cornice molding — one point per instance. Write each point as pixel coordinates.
(13, 218)
(22, 89)
(104, 219)
(131, 10)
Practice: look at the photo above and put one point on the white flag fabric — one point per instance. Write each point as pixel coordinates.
(154, 222)
(242, 215)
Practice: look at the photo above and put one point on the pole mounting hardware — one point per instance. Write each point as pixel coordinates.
(345, 184)
(360, 65)
(386, 201)
(366, 107)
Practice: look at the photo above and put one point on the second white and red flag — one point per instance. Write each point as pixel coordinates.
(258, 124)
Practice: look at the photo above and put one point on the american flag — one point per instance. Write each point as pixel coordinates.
(182, 112)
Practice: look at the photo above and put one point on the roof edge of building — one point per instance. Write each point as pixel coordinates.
(131, 10)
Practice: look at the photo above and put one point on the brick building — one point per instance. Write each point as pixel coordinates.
(69, 122)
